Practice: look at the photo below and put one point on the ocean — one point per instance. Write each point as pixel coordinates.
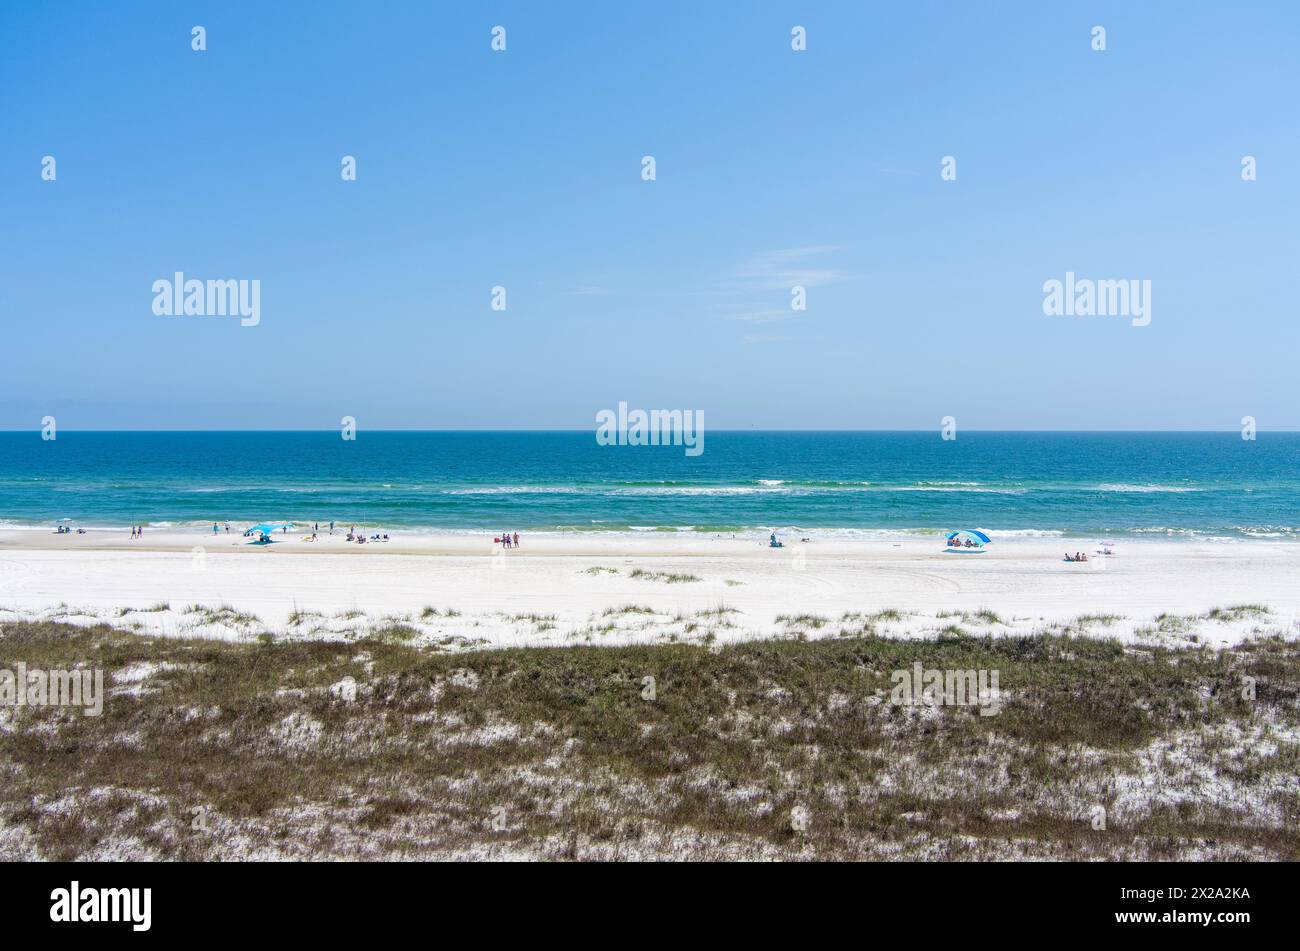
(873, 484)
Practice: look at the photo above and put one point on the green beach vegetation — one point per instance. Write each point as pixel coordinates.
(763, 749)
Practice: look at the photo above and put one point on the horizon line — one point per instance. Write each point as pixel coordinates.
(335, 430)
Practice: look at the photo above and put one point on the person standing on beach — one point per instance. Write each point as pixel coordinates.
(516, 539)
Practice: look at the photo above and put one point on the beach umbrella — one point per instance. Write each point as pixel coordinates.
(266, 528)
(957, 541)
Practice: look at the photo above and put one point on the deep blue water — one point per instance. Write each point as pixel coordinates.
(1157, 484)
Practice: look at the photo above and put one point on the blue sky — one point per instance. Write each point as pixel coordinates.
(522, 169)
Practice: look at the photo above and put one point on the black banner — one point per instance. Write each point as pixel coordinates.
(144, 901)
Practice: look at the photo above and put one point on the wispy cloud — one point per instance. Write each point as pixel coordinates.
(763, 316)
(768, 278)
(787, 267)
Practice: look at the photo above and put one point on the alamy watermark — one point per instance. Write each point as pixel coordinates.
(192, 298)
(75, 903)
(949, 688)
(657, 427)
(33, 687)
(1083, 297)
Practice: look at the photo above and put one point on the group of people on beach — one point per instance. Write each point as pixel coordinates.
(353, 534)
(507, 541)
(137, 531)
(361, 538)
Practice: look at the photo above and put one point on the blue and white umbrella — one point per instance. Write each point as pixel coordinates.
(266, 528)
(957, 541)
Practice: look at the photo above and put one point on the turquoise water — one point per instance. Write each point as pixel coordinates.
(1147, 484)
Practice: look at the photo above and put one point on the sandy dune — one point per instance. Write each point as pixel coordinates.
(567, 589)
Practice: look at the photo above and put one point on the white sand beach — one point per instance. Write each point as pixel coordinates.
(461, 591)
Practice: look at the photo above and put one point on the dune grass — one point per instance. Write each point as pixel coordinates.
(667, 577)
(557, 753)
